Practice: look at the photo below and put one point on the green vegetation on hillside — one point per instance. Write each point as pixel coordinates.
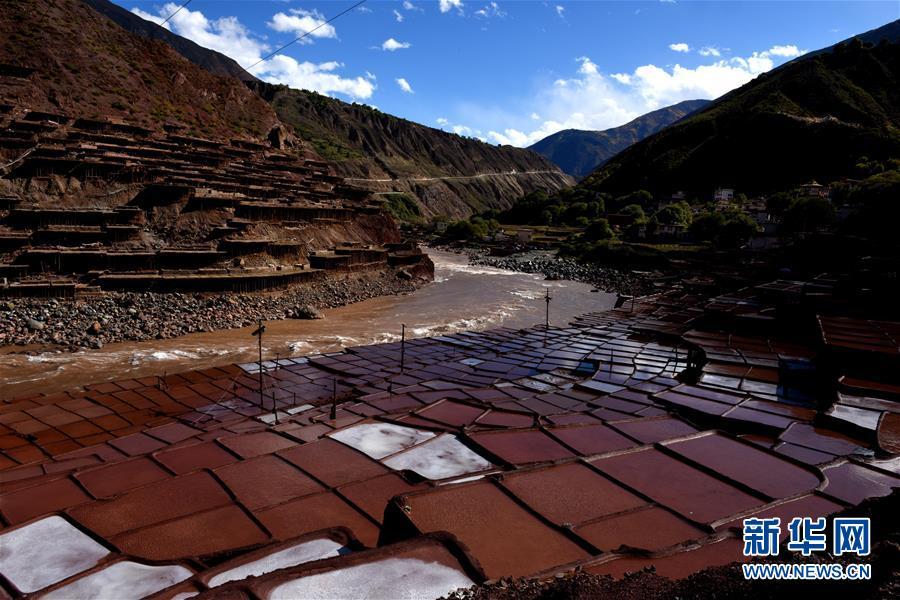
(809, 119)
(403, 208)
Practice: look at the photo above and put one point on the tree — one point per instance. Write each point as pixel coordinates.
(778, 203)
(678, 213)
(546, 217)
(598, 230)
(640, 197)
(739, 228)
(724, 230)
(467, 230)
(707, 226)
(634, 210)
(878, 199)
(809, 214)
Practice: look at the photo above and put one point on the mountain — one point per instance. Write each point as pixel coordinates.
(578, 152)
(86, 65)
(812, 118)
(447, 174)
(214, 62)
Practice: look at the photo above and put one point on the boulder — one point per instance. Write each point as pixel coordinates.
(307, 312)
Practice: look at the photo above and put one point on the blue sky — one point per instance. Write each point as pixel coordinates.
(516, 71)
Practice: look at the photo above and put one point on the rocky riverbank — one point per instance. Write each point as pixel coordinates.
(551, 266)
(118, 317)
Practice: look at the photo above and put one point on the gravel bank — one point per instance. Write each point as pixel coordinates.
(553, 267)
(117, 317)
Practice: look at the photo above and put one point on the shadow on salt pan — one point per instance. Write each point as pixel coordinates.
(289, 557)
(122, 580)
(378, 440)
(391, 579)
(439, 459)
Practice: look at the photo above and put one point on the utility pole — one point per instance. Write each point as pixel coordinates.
(547, 299)
(259, 334)
(333, 398)
(402, 347)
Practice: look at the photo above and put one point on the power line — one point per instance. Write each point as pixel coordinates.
(177, 10)
(319, 26)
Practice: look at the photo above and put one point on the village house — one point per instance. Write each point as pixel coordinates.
(814, 189)
(723, 195)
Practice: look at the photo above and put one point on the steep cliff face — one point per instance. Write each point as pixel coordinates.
(462, 196)
(447, 173)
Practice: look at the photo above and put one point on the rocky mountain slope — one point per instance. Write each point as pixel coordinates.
(214, 62)
(578, 152)
(446, 173)
(86, 65)
(813, 118)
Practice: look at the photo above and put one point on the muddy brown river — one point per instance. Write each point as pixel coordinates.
(462, 297)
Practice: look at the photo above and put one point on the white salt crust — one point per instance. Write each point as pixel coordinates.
(378, 440)
(46, 552)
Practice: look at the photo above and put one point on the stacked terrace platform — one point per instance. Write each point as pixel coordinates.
(165, 208)
(634, 437)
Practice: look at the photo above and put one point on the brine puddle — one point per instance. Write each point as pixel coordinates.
(462, 297)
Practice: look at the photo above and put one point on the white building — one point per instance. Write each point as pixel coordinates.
(723, 195)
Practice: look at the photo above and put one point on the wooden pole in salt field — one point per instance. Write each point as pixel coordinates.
(333, 398)
(547, 299)
(402, 347)
(259, 333)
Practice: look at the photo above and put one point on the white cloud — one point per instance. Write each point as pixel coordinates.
(679, 47)
(364, 9)
(229, 36)
(150, 17)
(303, 21)
(226, 34)
(398, 15)
(594, 100)
(510, 137)
(390, 45)
(319, 77)
(709, 51)
(587, 66)
(535, 117)
(786, 51)
(560, 10)
(404, 85)
(407, 5)
(490, 10)
(448, 5)
(442, 121)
